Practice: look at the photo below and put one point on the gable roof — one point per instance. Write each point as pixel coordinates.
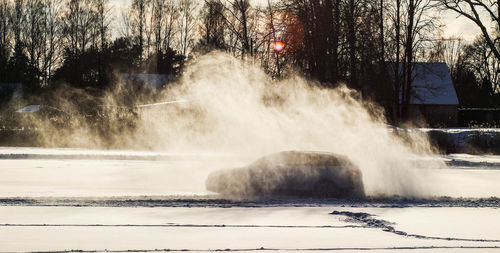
(432, 84)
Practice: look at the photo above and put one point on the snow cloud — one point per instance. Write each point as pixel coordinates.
(232, 107)
(235, 108)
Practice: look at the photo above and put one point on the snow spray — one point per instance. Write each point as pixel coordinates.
(232, 107)
(236, 108)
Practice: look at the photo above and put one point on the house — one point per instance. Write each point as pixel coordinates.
(432, 95)
(11, 90)
(150, 82)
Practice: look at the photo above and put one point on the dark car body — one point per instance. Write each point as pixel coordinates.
(291, 173)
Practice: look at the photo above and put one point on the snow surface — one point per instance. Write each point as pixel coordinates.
(75, 153)
(35, 172)
(459, 139)
(136, 201)
(24, 229)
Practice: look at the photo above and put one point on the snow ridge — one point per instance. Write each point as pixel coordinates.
(370, 222)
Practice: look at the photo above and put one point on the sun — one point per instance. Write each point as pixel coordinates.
(278, 46)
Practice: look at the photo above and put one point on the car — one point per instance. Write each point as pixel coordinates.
(291, 173)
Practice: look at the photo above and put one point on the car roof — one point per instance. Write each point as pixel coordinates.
(303, 158)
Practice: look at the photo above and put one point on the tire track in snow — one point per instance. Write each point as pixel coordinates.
(217, 202)
(368, 221)
(181, 225)
(269, 249)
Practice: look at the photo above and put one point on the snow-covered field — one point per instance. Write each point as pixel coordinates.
(121, 201)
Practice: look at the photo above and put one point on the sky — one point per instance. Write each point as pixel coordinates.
(454, 25)
(459, 26)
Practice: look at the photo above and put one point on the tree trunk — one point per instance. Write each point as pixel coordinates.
(397, 80)
(335, 41)
(351, 40)
(409, 57)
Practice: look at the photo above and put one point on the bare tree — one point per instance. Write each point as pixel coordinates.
(5, 28)
(126, 28)
(102, 29)
(158, 19)
(382, 33)
(103, 22)
(37, 26)
(240, 20)
(17, 19)
(33, 30)
(472, 9)
(479, 58)
(213, 27)
(79, 25)
(270, 35)
(188, 9)
(170, 22)
(412, 31)
(323, 28)
(51, 44)
(165, 14)
(351, 13)
(150, 10)
(5, 37)
(420, 23)
(397, 75)
(138, 22)
(83, 21)
(448, 50)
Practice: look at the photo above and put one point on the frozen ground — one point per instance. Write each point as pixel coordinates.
(121, 201)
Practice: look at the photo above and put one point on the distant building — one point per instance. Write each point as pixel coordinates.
(11, 90)
(433, 96)
(150, 82)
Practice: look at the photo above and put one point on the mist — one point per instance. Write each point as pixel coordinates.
(228, 106)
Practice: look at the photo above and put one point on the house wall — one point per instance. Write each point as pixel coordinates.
(435, 115)
(479, 117)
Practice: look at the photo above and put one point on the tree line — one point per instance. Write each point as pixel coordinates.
(45, 42)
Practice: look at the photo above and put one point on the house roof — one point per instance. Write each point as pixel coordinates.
(432, 84)
(29, 109)
(16, 89)
(151, 81)
(11, 86)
